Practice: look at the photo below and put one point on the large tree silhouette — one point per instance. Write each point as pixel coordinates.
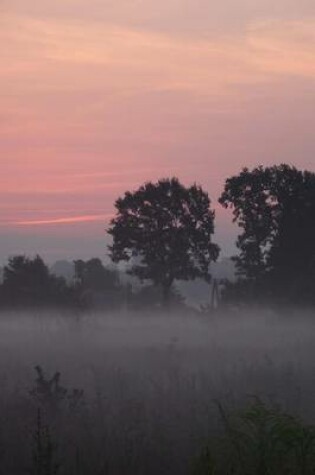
(275, 208)
(165, 230)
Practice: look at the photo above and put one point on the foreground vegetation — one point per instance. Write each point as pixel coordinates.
(259, 439)
(156, 395)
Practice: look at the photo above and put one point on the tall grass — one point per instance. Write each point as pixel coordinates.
(139, 396)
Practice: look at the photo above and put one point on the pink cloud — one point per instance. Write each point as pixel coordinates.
(67, 220)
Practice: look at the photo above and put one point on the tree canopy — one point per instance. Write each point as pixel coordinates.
(93, 275)
(165, 229)
(275, 208)
(28, 281)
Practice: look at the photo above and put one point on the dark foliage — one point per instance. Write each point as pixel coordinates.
(28, 282)
(96, 285)
(275, 208)
(165, 230)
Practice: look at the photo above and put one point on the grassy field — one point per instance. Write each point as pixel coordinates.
(157, 394)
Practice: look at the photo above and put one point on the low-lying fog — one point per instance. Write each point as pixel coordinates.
(150, 382)
(258, 351)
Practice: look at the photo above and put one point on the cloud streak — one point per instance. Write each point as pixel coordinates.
(125, 61)
(65, 220)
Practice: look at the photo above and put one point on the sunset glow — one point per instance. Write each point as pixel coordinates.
(98, 97)
(77, 219)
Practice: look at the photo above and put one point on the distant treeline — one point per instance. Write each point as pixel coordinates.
(29, 282)
(164, 233)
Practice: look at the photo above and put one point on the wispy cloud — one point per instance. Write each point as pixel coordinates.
(136, 172)
(284, 47)
(127, 60)
(64, 220)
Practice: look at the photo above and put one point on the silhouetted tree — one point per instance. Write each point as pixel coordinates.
(28, 282)
(166, 230)
(275, 208)
(96, 283)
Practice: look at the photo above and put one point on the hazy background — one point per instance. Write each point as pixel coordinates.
(98, 96)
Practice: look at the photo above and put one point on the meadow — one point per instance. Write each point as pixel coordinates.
(133, 394)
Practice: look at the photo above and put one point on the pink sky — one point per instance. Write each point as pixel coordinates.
(98, 96)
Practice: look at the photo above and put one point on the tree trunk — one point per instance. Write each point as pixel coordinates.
(166, 289)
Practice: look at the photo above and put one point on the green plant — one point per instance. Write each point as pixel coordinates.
(260, 440)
